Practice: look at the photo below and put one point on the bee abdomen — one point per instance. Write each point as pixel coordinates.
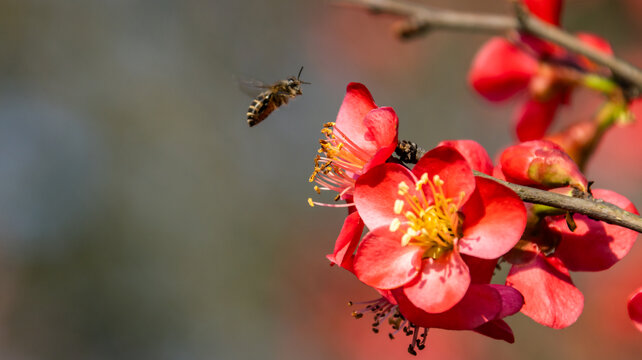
(259, 109)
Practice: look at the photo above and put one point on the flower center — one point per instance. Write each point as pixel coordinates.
(433, 224)
(340, 163)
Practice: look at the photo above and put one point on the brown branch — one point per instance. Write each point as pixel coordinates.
(596, 209)
(421, 18)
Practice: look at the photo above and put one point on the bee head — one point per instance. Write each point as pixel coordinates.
(294, 84)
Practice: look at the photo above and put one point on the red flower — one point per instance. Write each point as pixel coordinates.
(634, 307)
(362, 137)
(502, 69)
(551, 298)
(481, 310)
(421, 222)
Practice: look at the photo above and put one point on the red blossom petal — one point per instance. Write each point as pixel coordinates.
(535, 116)
(550, 298)
(512, 300)
(494, 220)
(480, 304)
(347, 241)
(546, 10)
(441, 284)
(356, 104)
(451, 167)
(375, 193)
(481, 270)
(380, 138)
(497, 329)
(634, 307)
(473, 152)
(594, 245)
(383, 263)
(500, 70)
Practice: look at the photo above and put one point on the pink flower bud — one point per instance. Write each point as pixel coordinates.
(541, 164)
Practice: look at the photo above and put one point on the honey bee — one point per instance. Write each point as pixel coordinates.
(276, 95)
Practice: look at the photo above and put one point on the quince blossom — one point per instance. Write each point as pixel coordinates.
(422, 221)
(362, 137)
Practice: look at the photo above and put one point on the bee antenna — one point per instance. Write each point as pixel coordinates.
(299, 75)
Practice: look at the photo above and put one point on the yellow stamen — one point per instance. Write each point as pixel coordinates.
(398, 206)
(394, 225)
(403, 188)
(310, 202)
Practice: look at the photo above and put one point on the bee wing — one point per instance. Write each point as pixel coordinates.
(252, 87)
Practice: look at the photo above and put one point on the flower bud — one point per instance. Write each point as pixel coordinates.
(541, 164)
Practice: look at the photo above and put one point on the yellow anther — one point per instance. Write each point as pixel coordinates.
(328, 124)
(411, 216)
(405, 239)
(336, 198)
(316, 188)
(403, 188)
(398, 206)
(437, 180)
(314, 175)
(310, 202)
(394, 225)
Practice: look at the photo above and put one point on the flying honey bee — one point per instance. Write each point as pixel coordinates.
(276, 95)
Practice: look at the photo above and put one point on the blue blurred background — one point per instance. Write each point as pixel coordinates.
(140, 217)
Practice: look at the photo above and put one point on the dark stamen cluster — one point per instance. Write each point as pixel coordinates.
(384, 310)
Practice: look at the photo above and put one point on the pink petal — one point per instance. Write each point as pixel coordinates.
(441, 284)
(380, 139)
(451, 167)
(481, 303)
(494, 220)
(534, 118)
(382, 125)
(550, 298)
(473, 152)
(375, 193)
(481, 270)
(500, 70)
(634, 307)
(546, 10)
(347, 241)
(380, 157)
(496, 329)
(383, 263)
(512, 300)
(363, 124)
(356, 104)
(594, 245)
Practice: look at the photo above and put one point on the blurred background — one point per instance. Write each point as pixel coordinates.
(140, 217)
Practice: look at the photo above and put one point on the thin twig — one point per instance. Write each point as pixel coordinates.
(421, 18)
(596, 209)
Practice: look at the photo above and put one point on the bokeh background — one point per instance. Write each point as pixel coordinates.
(140, 218)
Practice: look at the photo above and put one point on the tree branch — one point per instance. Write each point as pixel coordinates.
(594, 208)
(421, 18)
(584, 204)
